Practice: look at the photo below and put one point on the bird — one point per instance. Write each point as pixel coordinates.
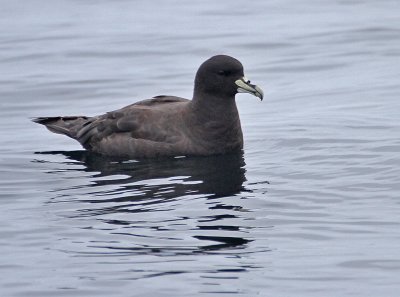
(169, 126)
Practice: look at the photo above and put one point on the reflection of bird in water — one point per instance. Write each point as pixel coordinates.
(144, 186)
(216, 176)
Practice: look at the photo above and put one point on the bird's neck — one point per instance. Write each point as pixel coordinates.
(213, 108)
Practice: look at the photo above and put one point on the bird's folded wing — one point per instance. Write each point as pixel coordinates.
(132, 118)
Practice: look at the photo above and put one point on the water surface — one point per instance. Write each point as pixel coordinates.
(311, 208)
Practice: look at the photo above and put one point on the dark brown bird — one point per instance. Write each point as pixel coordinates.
(208, 124)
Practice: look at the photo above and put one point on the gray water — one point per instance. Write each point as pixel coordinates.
(312, 206)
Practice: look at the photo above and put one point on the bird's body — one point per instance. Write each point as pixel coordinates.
(166, 125)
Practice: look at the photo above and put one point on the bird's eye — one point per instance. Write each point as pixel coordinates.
(224, 72)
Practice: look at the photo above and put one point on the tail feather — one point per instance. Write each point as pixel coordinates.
(68, 126)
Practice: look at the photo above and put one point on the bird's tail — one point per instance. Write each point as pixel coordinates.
(68, 126)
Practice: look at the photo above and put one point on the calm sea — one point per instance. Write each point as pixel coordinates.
(312, 207)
